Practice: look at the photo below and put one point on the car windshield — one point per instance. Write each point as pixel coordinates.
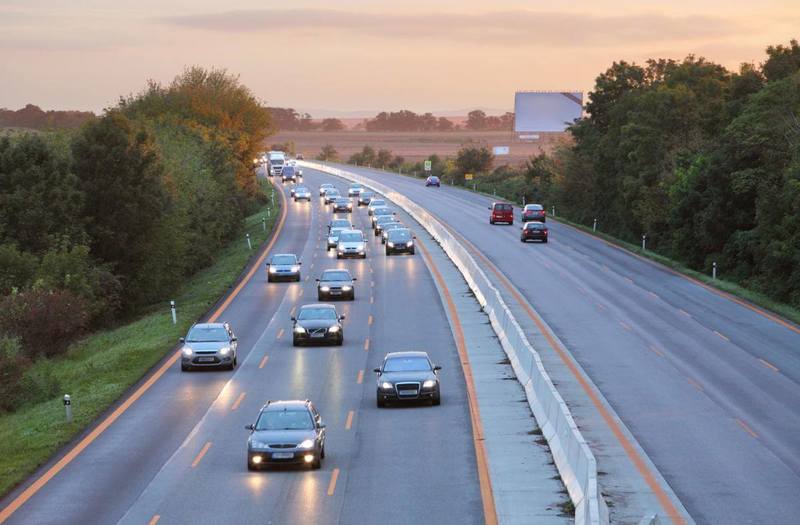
(502, 207)
(350, 237)
(355, 186)
(340, 223)
(407, 364)
(285, 420)
(335, 275)
(207, 334)
(280, 260)
(535, 226)
(277, 161)
(333, 193)
(533, 207)
(366, 194)
(300, 188)
(399, 234)
(383, 219)
(326, 185)
(342, 200)
(288, 170)
(377, 202)
(335, 232)
(434, 179)
(382, 211)
(315, 314)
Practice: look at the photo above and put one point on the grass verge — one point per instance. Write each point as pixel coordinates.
(97, 370)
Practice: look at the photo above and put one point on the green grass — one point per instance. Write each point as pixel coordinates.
(100, 368)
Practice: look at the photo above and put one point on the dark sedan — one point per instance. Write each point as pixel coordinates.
(365, 197)
(286, 432)
(336, 284)
(433, 181)
(534, 231)
(381, 221)
(400, 240)
(342, 204)
(389, 226)
(534, 212)
(317, 324)
(408, 376)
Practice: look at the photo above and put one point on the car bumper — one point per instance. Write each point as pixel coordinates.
(346, 209)
(531, 219)
(268, 457)
(206, 361)
(327, 339)
(392, 396)
(289, 276)
(534, 237)
(400, 249)
(353, 255)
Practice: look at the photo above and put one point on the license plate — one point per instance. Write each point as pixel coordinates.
(205, 359)
(282, 455)
(317, 335)
(336, 292)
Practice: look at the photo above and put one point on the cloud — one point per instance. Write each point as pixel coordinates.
(513, 27)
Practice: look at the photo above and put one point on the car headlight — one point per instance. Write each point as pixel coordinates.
(324, 288)
(187, 351)
(430, 383)
(349, 204)
(272, 269)
(346, 288)
(225, 350)
(295, 268)
(410, 243)
(306, 444)
(386, 385)
(258, 444)
(390, 244)
(299, 329)
(333, 329)
(341, 248)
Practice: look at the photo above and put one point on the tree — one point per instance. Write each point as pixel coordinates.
(332, 124)
(444, 124)
(782, 61)
(476, 120)
(328, 152)
(383, 158)
(474, 159)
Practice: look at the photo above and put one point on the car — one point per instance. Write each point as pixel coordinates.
(331, 195)
(342, 204)
(381, 212)
(375, 203)
(433, 180)
(299, 156)
(340, 223)
(501, 212)
(317, 323)
(386, 228)
(351, 243)
(534, 212)
(333, 236)
(209, 345)
(365, 197)
(288, 173)
(336, 283)
(302, 193)
(400, 241)
(533, 231)
(407, 376)
(355, 189)
(380, 221)
(283, 266)
(286, 432)
(324, 188)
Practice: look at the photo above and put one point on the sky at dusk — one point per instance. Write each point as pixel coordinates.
(354, 55)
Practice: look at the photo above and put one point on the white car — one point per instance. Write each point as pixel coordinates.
(355, 190)
(351, 243)
(302, 193)
(325, 187)
(333, 236)
(375, 203)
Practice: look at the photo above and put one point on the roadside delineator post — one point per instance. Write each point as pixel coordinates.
(523, 201)
(714, 270)
(249, 244)
(594, 225)
(174, 313)
(68, 407)
(264, 223)
(644, 242)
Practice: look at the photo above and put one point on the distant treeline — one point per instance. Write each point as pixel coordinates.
(95, 224)
(33, 117)
(287, 119)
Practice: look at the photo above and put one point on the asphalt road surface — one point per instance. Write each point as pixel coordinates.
(178, 455)
(709, 387)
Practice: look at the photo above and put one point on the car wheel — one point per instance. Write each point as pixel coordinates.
(437, 400)
(251, 467)
(380, 402)
(338, 256)
(388, 252)
(269, 279)
(340, 342)
(353, 296)
(491, 221)
(317, 464)
(364, 256)
(184, 368)
(297, 279)
(545, 241)
(522, 239)
(295, 342)
(322, 452)
(320, 297)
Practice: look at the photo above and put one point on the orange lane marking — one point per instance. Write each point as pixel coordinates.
(263, 361)
(747, 428)
(625, 326)
(655, 295)
(768, 365)
(366, 344)
(154, 520)
(721, 335)
(481, 459)
(656, 351)
(360, 377)
(280, 334)
(669, 507)
(694, 383)
(684, 312)
(369, 320)
(201, 454)
(349, 423)
(238, 401)
(40, 482)
(332, 484)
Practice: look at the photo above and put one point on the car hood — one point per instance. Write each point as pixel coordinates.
(282, 436)
(336, 283)
(310, 324)
(400, 377)
(352, 244)
(207, 345)
(282, 267)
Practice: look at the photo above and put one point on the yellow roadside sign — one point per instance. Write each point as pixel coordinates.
(468, 176)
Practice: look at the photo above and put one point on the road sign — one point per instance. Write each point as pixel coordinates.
(427, 165)
(500, 150)
(529, 137)
(468, 176)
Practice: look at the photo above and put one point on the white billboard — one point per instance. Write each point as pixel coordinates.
(500, 150)
(546, 111)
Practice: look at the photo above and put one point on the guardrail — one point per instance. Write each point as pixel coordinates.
(573, 458)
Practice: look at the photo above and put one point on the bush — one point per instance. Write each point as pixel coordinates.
(12, 367)
(16, 268)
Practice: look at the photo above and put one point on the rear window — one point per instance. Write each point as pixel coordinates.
(502, 207)
(534, 207)
(535, 226)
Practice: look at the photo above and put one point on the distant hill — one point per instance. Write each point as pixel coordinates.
(34, 117)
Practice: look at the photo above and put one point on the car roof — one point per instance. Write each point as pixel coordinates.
(318, 305)
(208, 325)
(352, 230)
(289, 404)
(391, 355)
(284, 254)
(336, 270)
(397, 230)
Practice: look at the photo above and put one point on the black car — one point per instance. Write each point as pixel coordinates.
(286, 432)
(317, 324)
(400, 240)
(288, 174)
(365, 197)
(408, 376)
(534, 231)
(336, 284)
(389, 226)
(380, 221)
(433, 180)
(342, 204)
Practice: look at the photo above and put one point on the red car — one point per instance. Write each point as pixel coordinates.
(534, 212)
(534, 231)
(501, 212)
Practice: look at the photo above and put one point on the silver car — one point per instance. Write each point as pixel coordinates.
(354, 190)
(325, 187)
(209, 345)
(286, 432)
(331, 195)
(375, 203)
(302, 193)
(333, 237)
(283, 267)
(351, 243)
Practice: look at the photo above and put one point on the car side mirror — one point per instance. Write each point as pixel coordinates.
(377, 371)
(250, 427)
(234, 339)
(316, 280)
(342, 317)
(489, 208)
(355, 278)
(294, 318)
(437, 368)
(321, 426)
(299, 262)
(182, 339)
(267, 264)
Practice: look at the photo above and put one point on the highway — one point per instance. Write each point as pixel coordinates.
(709, 387)
(178, 453)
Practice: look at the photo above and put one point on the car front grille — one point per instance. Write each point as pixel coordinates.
(283, 445)
(317, 331)
(407, 389)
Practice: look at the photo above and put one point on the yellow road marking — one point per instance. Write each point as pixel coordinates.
(332, 484)
(694, 383)
(747, 428)
(349, 423)
(656, 350)
(263, 361)
(154, 520)
(238, 401)
(360, 377)
(768, 365)
(655, 295)
(366, 344)
(201, 454)
(684, 312)
(280, 334)
(629, 280)
(369, 320)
